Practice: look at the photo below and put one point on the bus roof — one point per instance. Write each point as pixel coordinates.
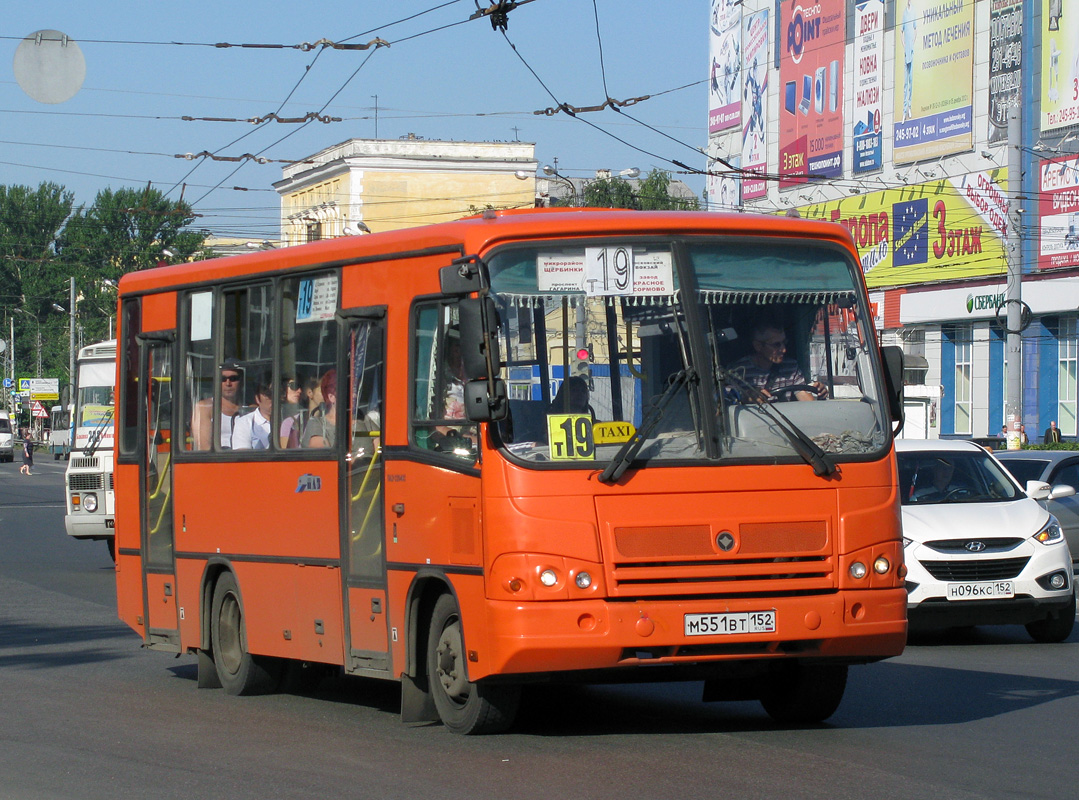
(478, 233)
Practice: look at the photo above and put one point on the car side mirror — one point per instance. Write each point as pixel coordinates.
(1061, 490)
(1039, 490)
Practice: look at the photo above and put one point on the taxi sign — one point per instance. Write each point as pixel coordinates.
(612, 432)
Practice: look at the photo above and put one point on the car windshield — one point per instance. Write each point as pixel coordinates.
(704, 345)
(1025, 469)
(929, 476)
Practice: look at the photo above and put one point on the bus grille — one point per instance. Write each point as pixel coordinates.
(996, 569)
(84, 463)
(681, 560)
(81, 482)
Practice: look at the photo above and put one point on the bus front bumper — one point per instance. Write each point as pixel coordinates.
(537, 638)
(82, 525)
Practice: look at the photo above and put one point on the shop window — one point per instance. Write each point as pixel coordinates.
(963, 379)
(1066, 376)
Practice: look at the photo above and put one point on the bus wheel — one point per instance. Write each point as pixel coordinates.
(464, 707)
(239, 671)
(804, 693)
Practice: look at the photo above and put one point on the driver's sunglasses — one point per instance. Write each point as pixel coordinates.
(230, 378)
(293, 386)
(781, 344)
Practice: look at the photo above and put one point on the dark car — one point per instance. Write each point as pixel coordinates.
(1055, 467)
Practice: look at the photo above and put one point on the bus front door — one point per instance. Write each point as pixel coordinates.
(159, 576)
(363, 529)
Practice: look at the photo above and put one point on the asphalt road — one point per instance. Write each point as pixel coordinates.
(87, 713)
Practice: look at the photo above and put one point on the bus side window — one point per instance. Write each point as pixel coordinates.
(309, 356)
(438, 413)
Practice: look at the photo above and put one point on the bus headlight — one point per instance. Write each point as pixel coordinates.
(858, 570)
(89, 502)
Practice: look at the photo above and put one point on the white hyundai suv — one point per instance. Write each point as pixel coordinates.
(978, 549)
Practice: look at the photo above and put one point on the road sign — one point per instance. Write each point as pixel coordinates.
(45, 388)
(38, 410)
(8, 383)
(24, 385)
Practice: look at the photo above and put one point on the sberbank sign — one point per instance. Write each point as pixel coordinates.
(980, 302)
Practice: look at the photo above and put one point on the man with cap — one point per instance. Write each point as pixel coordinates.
(231, 397)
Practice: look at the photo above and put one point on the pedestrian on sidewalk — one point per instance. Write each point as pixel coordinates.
(27, 453)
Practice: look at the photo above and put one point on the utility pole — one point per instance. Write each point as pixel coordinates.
(1014, 296)
(71, 333)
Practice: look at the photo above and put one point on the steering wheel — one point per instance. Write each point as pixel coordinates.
(957, 492)
(787, 393)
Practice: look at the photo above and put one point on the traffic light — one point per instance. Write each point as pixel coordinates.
(582, 363)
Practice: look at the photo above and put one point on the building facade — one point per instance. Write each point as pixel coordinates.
(891, 118)
(371, 185)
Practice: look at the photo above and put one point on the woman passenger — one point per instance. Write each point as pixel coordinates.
(321, 428)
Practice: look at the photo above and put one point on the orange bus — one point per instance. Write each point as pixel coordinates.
(576, 445)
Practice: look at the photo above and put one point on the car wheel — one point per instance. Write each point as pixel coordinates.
(1055, 628)
(804, 693)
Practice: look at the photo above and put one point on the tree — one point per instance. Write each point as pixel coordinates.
(30, 223)
(651, 193)
(122, 231)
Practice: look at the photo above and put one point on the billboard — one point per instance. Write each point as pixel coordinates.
(934, 79)
(754, 96)
(1005, 61)
(725, 73)
(1058, 210)
(812, 45)
(942, 230)
(1060, 64)
(866, 128)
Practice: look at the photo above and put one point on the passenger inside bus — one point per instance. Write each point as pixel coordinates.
(231, 397)
(446, 438)
(252, 431)
(321, 427)
(770, 371)
(291, 394)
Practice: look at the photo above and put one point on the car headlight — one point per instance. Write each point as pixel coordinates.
(907, 542)
(1050, 533)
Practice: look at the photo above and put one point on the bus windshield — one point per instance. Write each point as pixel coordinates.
(703, 349)
(94, 399)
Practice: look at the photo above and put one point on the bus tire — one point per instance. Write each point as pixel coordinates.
(801, 694)
(240, 672)
(463, 707)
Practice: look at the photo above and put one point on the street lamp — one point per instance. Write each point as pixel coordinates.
(551, 172)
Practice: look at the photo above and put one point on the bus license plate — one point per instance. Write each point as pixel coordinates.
(992, 590)
(726, 624)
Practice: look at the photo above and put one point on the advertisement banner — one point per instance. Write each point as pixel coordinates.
(754, 94)
(868, 66)
(723, 187)
(812, 45)
(934, 79)
(1059, 213)
(941, 230)
(725, 55)
(1060, 64)
(1005, 61)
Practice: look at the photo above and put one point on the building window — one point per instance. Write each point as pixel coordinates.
(962, 379)
(1066, 376)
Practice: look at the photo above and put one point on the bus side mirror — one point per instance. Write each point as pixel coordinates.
(481, 405)
(893, 380)
(479, 337)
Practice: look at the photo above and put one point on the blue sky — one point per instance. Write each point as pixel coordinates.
(463, 82)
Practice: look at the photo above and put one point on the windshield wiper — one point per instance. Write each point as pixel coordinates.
(95, 437)
(809, 450)
(628, 451)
